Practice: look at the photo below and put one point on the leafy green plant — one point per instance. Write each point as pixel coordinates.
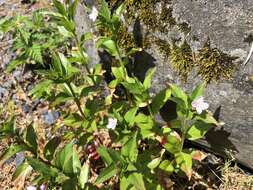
(138, 150)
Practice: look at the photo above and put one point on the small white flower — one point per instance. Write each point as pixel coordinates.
(43, 187)
(31, 187)
(112, 122)
(199, 104)
(94, 14)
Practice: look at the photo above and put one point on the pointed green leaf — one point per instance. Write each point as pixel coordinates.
(104, 11)
(198, 91)
(31, 137)
(50, 148)
(68, 160)
(179, 93)
(130, 149)
(130, 115)
(106, 174)
(42, 167)
(72, 9)
(148, 78)
(154, 163)
(167, 166)
(21, 172)
(60, 7)
(184, 160)
(84, 175)
(105, 155)
(198, 130)
(160, 99)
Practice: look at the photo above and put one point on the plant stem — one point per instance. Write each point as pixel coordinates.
(76, 99)
(184, 131)
(150, 111)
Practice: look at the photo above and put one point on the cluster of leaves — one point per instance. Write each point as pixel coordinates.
(140, 152)
(34, 38)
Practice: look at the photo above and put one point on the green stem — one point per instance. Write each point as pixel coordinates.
(76, 99)
(184, 132)
(150, 111)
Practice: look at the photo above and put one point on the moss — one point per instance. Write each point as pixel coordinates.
(215, 65)
(126, 39)
(164, 47)
(182, 59)
(184, 27)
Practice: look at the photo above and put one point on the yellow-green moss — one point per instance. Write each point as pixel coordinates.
(182, 59)
(163, 46)
(214, 64)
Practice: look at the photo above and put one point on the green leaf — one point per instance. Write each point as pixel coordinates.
(198, 130)
(68, 160)
(42, 167)
(8, 128)
(130, 149)
(12, 150)
(134, 87)
(64, 32)
(105, 155)
(84, 175)
(160, 99)
(14, 64)
(198, 91)
(106, 174)
(60, 7)
(124, 184)
(144, 121)
(148, 78)
(70, 184)
(35, 53)
(167, 166)
(154, 163)
(110, 46)
(173, 144)
(50, 148)
(21, 172)
(184, 160)
(72, 9)
(206, 118)
(136, 179)
(41, 89)
(119, 73)
(179, 93)
(60, 98)
(120, 9)
(31, 137)
(130, 115)
(104, 11)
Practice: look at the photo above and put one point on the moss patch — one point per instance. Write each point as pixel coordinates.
(182, 59)
(213, 64)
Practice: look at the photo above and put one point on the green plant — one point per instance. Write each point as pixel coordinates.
(139, 150)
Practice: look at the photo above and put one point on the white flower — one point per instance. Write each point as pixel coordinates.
(43, 187)
(94, 14)
(199, 104)
(31, 187)
(112, 122)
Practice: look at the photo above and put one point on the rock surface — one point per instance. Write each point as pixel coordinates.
(229, 26)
